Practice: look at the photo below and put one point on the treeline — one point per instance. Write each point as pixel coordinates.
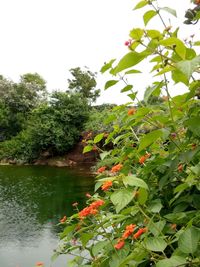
(33, 121)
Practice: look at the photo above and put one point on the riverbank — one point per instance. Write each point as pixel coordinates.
(73, 158)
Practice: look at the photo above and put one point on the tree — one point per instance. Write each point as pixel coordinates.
(17, 100)
(84, 82)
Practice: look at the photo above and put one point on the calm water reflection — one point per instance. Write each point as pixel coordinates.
(32, 200)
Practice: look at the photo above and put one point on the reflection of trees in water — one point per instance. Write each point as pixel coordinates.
(32, 197)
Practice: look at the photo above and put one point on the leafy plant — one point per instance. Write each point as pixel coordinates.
(145, 210)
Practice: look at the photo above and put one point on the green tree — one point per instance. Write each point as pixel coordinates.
(84, 82)
(17, 100)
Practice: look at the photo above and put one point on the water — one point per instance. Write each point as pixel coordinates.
(32, 200)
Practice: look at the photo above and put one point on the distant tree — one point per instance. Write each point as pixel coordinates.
(84, 83)
(17, 100)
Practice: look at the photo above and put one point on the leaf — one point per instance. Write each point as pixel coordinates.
(141, 4)
(85, 237)
(156, 228)
(187, 67)
(98, 138)
(136, 34)
(148, 16)
(132, 180)
(155, 206)
(169, 10)
(178, 76)
(98, 247)
(151, 137)
(107, 66)
(142, 196)
(126, 88)
(194, 125)
(154, 34)
(104, 154)
(174, 261)
(121, 198)
(177, 45)
(155, 243)
(129, 60)
(133, 71)
(87, 149)
(188, 240)
(150, 91)
(110, 83)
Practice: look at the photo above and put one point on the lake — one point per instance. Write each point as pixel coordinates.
(32, 201)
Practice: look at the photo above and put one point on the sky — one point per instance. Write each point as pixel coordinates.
(51, 36)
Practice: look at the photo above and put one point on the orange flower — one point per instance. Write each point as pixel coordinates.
(116, 168)
(129, 230)
(101, 169)
(197, 2)
(131, 111)
(140, 232)
(120, 244)
(173, 226)
(91, 209)
(106, 185)
(143, 158)
(63, 219)
(180, 167)
(39, 263)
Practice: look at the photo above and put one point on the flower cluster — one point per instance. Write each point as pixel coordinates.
(101, 169)
(63, 219)
(140, 232)
(144, 158)
(106, 185)
(117, 168)
(131, 111)
(92, 209)
(128, 232)
(39, 263)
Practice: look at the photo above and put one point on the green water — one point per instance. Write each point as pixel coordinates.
(32, 200)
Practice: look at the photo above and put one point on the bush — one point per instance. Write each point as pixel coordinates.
(145, 210)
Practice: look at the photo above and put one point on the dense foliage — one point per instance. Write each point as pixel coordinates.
(33, 122)
(145, 210)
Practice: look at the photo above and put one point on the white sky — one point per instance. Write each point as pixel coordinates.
(51, 36)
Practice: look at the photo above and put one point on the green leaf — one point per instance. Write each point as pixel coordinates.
(136, 34)
(133, 71)
(169, 10)
(154, 34)
(99, 247)
(141, 4)
(148, 16)
(187, 67)
(177, 45)
(132, 180)
(156, 228)
(104, 154)
(188, 240)
(107, 66)
(150, 138)
(178, 76)
(155, 243)
(194, 125)
(142, 196)
(151, 90)
(126, 88)
(85, 237)
(155, 206)
(129, 60)
(121, 198)
(174, 261)
(87, 149)
(110, 83)
(98, 138)
(97, 186)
